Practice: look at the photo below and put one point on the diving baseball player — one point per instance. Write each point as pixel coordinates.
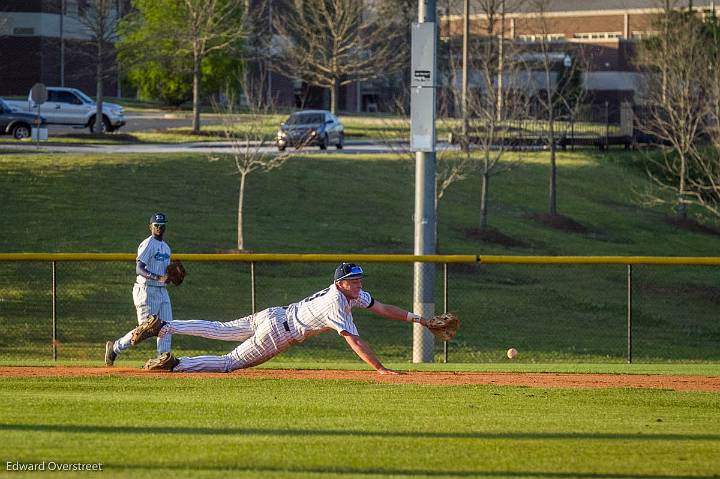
(150, 295)
(273, 330)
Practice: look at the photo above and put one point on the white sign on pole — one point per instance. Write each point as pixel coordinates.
(422, 86)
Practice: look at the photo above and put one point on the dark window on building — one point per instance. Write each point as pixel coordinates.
(24, 31)
(82, 7)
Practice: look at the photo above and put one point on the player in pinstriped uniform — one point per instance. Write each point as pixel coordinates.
(273, 330)
(150, 295)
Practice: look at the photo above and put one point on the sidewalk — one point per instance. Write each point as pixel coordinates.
(351, 146)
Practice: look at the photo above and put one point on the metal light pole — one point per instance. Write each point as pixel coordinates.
(466, 35)
(269, 94)
(118, 12)
(501, 66)
(422, 141)
(62, 43)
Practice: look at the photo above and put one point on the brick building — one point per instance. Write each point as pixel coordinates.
(604, 32)
(44, 41)
(41, 40)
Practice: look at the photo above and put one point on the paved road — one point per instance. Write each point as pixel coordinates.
(139, 121)
(153, 121)
(351, 147)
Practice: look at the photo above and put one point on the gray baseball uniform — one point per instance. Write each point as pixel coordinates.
(271, 331)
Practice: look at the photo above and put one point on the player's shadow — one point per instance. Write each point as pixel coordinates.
(241, 431)
(267, 471)
(300, 434)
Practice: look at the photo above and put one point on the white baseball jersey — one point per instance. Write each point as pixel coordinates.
(156, 256)
(271, 331)
(325, 310)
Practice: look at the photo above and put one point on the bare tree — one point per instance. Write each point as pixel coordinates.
(492, 108)
(248, 144)
(708, 187)
(494, 101)
(559, 92)
(100, 19)
(210, 25)
(677, 102)
(450, 166)
(399, 15)
(495, 13)
(330, 43)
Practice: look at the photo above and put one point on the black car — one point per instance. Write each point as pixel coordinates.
(311, 127)
(15, 123)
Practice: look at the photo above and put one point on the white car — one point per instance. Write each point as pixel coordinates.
(71, 107)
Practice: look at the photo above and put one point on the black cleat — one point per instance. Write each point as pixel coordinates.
(164, 362)
(148, 328)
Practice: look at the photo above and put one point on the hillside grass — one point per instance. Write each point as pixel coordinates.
(329, 203)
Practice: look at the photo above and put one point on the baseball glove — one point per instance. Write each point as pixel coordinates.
(175, 273)
(444, 326)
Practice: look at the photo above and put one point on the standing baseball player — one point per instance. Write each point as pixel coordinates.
(150, 295)
(273, 330)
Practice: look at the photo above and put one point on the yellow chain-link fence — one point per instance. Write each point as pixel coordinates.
(587, 309)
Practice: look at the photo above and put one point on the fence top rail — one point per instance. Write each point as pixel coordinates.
(625, 260)
(374, 258)
(249, 257)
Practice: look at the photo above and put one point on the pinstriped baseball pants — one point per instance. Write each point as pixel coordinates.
(263, 335)
(149, 300)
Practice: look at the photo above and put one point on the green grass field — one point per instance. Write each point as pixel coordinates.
(236, 427)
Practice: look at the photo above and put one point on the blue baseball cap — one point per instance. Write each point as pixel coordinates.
(348, 271)
(158, 219)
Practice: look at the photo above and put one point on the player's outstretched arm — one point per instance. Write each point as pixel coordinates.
(362, 349)
(390, 311)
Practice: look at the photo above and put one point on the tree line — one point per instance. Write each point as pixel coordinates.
(176, 50)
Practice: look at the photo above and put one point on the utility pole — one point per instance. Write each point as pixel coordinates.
(501, 64)
(268, 69)
(465, 54)
(62, 43)
(118, 16)
(422, 141)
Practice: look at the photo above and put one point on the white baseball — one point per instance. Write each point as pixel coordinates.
(512, 353)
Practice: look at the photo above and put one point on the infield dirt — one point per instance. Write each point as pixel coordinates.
(535, 380)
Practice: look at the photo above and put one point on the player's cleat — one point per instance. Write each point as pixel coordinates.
(164, 362)
(148, 328)
(110, 354)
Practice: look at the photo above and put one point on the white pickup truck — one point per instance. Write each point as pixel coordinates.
(70, 106)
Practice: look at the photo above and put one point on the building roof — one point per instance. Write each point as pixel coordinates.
(580, 6)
